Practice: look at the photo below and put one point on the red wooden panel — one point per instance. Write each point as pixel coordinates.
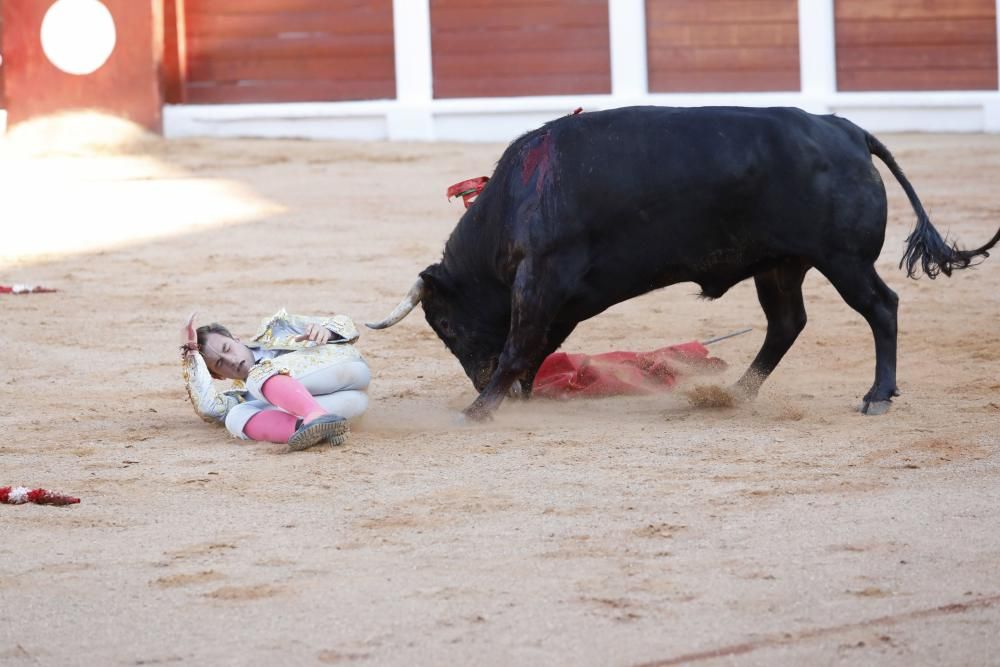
(241, 7)
(906, 45)
(344, 69)
(377, 48)
(447, 15)
(713, 59)
(288, 50)
(901, 10)
(725, 80)
(490, 4)
(917, 79)
(283, 91)
(127, 84)
(879, 32)
(517, 40)
(726, 34)
(722, 11)
(722, 45)
(328, 19)
(948, 57)
(567, 62)
(521, 47)
(520, 84)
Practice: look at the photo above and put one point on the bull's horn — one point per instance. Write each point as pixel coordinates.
(408, 303)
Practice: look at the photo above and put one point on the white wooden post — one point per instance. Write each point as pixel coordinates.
(817, 54)
(627, 26)
(991, 109)
(411, 118)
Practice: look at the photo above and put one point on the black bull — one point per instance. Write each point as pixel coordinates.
(593, 209)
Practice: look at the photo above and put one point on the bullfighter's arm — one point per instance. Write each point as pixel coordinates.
(209, 404)
(282, 330)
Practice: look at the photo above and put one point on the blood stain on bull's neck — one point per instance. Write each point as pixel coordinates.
(537, 157)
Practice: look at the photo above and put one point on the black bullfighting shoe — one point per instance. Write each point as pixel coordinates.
(328, 428)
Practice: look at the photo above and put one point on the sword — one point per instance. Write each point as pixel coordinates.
(728, 335)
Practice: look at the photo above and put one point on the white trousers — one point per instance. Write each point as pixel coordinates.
(338, 387)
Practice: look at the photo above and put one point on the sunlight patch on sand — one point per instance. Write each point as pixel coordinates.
(89, 183)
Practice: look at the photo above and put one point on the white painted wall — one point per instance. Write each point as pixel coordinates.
(416, 115)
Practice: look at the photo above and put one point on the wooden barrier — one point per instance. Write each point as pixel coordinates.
(483, 48)
(722, 45)
(230, 51)
(905, 45)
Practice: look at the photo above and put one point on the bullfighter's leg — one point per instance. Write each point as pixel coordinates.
(293, 382)
(258, 420)
(532, 311)
(863, 290)
(779, 291)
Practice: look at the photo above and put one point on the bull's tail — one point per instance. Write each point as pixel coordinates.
(924, 244)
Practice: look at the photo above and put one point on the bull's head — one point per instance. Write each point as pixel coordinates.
(471, 320)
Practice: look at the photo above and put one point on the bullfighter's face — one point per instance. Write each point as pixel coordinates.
(226, 358)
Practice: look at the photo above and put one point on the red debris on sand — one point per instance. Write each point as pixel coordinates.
(468, 190)
(18, 495)
(564, 375)
(24, 289)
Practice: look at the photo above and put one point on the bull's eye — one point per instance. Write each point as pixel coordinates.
(445, 327)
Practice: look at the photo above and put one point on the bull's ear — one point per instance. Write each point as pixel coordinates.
(436, 279)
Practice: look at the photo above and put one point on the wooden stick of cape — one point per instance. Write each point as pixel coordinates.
(728, 335)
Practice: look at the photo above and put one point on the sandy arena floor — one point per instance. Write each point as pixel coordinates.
(617, 532)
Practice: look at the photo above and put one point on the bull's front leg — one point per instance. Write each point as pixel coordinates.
(534, 301)
(510, 368)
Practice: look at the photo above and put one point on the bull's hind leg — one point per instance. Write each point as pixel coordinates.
(863, 290)
(779, 291)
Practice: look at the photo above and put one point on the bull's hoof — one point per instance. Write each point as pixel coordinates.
(516, 392)
(744, 392)
(475, 415)
(873, 408)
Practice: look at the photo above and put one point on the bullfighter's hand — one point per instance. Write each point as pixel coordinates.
(315, 333)
(189, 337)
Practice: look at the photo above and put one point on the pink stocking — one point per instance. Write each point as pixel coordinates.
(291, 396)
(270, 426)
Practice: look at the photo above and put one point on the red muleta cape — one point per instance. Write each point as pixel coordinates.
(565, 375)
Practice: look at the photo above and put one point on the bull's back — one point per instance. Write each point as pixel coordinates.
(663, 195)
